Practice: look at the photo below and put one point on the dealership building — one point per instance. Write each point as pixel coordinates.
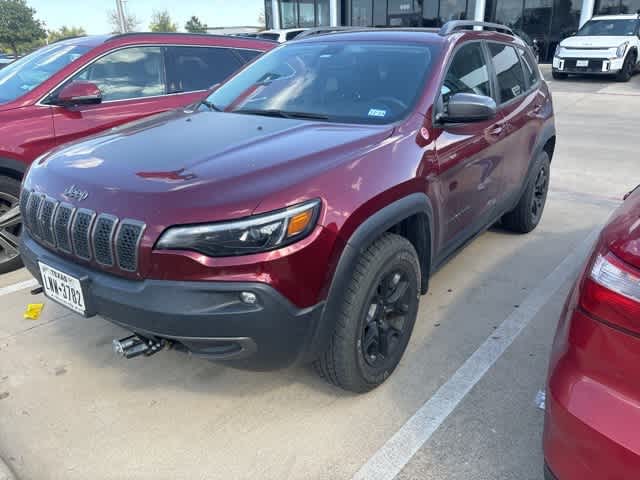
(545, 21)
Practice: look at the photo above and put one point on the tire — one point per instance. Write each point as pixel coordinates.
(9, 195)
(559, 75)
(527, 214)
(354, 359)
(628, 67)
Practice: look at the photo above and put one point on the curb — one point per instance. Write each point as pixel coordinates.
(5, 471)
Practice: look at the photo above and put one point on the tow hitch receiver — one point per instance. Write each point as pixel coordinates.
(135, 346)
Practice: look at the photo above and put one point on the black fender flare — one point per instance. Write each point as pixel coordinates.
(12, 168)
(547, 133)
(364, 235)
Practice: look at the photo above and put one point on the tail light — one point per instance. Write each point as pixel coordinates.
(611, 292)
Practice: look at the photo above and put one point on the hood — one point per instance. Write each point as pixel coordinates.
(186, 167)
(622, 234)
(593, 42)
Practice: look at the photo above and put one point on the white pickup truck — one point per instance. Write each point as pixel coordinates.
(604, 45)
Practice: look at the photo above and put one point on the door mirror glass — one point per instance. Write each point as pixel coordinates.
(79, 93)
(468, 107)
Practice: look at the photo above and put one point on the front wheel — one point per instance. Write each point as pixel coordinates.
(9, 228)
(527, 214)
(376, 317)
(628, 67)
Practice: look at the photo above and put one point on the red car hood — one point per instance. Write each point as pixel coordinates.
(181, 167)
(622, 234)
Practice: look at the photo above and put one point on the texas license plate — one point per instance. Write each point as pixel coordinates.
(582, 63)
(62, 288)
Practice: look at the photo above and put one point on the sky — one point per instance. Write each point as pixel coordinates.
(92, 14)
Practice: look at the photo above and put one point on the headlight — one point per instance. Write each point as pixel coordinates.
(242, 237)
(558, 50)
(621, 50)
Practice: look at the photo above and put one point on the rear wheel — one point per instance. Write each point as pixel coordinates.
(527, 214)
(9, 230)
(559, 75)
(628, 67)
(376, 318)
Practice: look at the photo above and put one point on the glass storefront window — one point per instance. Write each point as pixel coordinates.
(509, 13)
(380, 13)
(401, 7)
(452, 10)
(288, 13)
(323, 15)
(268, 15)
(361, 13)
(613, 7)
(307, 13)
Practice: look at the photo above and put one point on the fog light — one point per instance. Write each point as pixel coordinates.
(248, 298)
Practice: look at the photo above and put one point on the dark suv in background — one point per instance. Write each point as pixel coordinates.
(77, 87)
(298, 213)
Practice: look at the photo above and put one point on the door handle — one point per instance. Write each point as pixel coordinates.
(535, 111)
(497, 130)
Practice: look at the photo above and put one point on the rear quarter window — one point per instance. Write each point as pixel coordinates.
(530, 68)
(248, 55)
(508, 68)
(190, 69)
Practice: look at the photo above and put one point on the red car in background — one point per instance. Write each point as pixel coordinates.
(593, 395)
(81, 86)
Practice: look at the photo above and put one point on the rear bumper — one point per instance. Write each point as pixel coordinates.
(593, 403)
(206, 318)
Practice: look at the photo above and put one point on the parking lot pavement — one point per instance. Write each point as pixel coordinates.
(70, 410)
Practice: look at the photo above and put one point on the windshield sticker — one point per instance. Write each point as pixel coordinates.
(374, 112)
(515, 90)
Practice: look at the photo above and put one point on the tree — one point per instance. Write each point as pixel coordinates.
(18, 25)
(130, 20)
(194, 25)
(65, 32)
(161, 22)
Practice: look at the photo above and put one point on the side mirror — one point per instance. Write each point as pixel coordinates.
(468, 107)
(79, 93)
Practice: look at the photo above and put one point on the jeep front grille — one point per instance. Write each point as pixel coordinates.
(102, 238)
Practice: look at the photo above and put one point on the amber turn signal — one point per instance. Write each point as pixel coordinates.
(299, 223)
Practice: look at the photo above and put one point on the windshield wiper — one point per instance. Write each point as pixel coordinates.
(283, 114)
(211, 106)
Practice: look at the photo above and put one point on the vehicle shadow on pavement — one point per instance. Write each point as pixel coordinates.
(453, 305)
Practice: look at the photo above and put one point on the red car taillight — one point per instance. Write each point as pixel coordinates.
(611, 292)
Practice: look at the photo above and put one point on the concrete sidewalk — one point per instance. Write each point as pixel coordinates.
(5, 472)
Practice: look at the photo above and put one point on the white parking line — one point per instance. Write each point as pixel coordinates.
(16, 287)
(387, 462)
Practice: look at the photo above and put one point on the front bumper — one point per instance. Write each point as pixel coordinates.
(602, 66)
(206, 318)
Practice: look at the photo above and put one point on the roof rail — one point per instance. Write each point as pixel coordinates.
(182, 34)
(456, 25)
(322, 30)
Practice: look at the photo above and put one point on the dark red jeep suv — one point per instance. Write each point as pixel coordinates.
(78, 87)
(297, 213)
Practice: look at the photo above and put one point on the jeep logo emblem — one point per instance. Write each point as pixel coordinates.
(74, 193)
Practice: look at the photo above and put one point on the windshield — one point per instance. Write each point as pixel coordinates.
(610, 28)
(355, 82)
(25, 74)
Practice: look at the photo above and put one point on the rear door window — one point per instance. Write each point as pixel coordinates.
(468, 73)
(191, 69)
(508, 68)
